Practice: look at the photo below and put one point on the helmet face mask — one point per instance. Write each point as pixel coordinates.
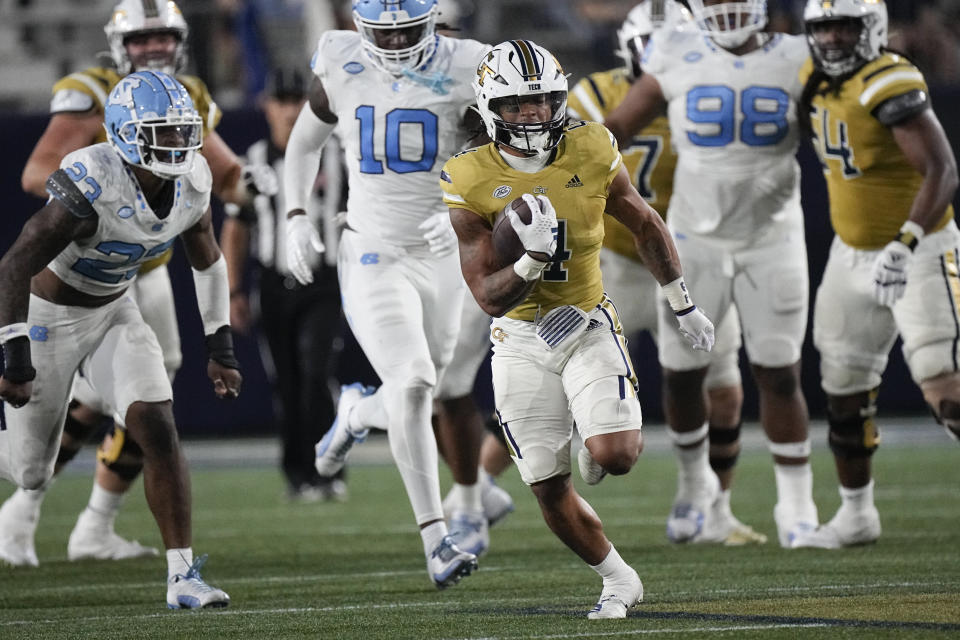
(398, 36)
(845, 34)
(136, 19)
(645, 18)
(513, 78)
(730, 24)
(152, 123)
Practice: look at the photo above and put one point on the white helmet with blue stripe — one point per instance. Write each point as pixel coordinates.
(151, 122)
(398, 35)
(731, 22)
(511, 73)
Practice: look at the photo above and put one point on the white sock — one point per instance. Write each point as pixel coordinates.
(467, 497)
(693, 468)
(368, 412)
(179, 561)
(858, 499)
(104, 505)
(29, 501)
(431, 535)
(795, 489)
(724, 502)
(613, 568)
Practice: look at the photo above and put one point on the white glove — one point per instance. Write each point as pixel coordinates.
(302, 238)
(696, 328)
(541, 234)
(260, 179)
(890, 273)
(438, 231)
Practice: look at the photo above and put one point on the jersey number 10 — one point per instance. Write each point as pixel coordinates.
(413, 118)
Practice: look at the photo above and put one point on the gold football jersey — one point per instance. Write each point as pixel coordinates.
(871, 184)
(649, 159)
(97, 82)
(576, 182)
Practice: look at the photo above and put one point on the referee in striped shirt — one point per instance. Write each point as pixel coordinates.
(297, 324)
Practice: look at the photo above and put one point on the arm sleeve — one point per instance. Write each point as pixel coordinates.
(213, 296)
(302, 158)
(61, 187)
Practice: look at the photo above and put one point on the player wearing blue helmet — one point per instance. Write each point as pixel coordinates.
(113, 206)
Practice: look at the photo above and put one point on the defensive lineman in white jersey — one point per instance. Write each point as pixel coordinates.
(398, 93)
(731, 93)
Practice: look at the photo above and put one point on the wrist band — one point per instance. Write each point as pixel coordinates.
(17, 367)
(677, 295)
(14, 330)
(220, 348)
(911, 234)
(529, 268)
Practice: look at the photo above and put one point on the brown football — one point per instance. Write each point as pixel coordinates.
(506, 244)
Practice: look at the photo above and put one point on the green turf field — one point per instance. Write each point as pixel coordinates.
(356, 570)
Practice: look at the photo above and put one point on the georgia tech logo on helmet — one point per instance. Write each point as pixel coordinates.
(484, 69)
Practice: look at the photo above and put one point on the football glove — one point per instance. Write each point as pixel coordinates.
(890, 273)
(696, 328)
(438, 231)
(302, 240)
(260, 179)
(541, 234)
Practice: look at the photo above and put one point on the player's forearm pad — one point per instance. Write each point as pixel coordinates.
(213, 295)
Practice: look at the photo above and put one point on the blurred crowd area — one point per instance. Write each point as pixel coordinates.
(234, 43)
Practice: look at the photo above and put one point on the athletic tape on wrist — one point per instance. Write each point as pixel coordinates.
(911, 234)
(14, 330)
(677, 295)
(529, 268)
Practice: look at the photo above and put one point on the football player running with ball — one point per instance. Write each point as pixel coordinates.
(730, 93)
(893, 263)
(559, 357)
(114, 206)
(399, 93)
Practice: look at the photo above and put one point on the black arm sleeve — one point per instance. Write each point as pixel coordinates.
(61, 187)
(903, 107)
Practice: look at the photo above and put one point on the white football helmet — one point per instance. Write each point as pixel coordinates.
(729, 24)
(416, 18)
(645, 18)
(872, 18)
(510, 73)
(133, 17)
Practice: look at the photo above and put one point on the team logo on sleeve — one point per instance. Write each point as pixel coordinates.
(353, 67)
(502, 191)
(125, 212)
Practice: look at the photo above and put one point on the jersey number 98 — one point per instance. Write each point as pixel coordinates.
(764, 120)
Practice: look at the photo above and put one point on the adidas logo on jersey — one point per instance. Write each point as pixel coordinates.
(574, 182)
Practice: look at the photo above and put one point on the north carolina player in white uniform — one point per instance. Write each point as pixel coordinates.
(114, 206)
(398, 93)
(731, 95)
(650, 160)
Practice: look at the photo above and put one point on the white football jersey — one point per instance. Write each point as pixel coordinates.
(128, 232)
(397, 133)
(733, 121)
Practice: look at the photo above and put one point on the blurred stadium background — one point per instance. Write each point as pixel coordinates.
(234, 43)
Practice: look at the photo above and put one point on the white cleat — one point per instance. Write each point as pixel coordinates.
(17, 529)
(497, 503)
(92, 538)
(793, 526)
(447, 564)
(591, 472)
(189, 591)
(848, 528)
(333, 448)
(722, 527)
(470, 531)
(691, 510)
(617, 598)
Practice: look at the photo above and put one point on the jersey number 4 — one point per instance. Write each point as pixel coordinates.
(764, 110)
(422, 119)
